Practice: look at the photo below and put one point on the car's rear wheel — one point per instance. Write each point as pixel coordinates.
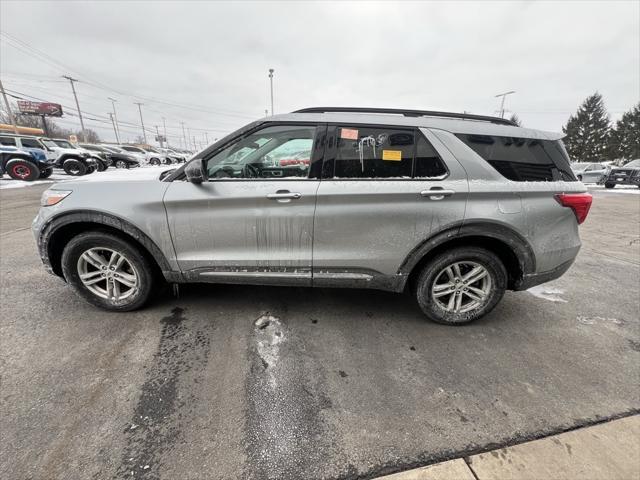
(46, 173)
(102, 166)
(74, 168)
(121, 164)
(22, 170)
(154, 161)
(580, 177)
(609, 185)
(108, 271)
(461, 285)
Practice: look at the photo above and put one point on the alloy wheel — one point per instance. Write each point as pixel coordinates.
(108, 274)
(461, 287)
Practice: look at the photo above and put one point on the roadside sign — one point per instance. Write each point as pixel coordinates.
(39, 108)
(73, 139)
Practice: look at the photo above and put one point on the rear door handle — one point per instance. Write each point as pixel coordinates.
(284, 195)
(437, 193)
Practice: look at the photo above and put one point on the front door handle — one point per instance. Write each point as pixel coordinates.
(284, 195)
(437, 193)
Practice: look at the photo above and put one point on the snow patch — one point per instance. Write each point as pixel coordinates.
(593, 320)
(628, 189)
(548, 293)
(270, 334)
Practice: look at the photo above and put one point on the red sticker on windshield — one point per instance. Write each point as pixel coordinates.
(349, 133)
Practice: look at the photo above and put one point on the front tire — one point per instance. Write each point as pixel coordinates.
(121, 164)
(461, 285)
(107, 271)
(609, 185)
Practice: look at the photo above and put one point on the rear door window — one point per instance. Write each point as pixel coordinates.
(522, 159)
(8, 141)
(31, 143)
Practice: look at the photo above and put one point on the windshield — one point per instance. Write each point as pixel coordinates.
(579, 166)
(633, 164)
(64, 144)
(49, 143)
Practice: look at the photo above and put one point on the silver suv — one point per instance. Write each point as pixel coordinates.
(454, 208)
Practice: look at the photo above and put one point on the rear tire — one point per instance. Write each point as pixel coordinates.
(74, 168)
(121, 164)
(609, 185)
(46, 173)
(135, 269)
(154, 161)
(101, 165)
(580, 177)
(23, 170)
(451, 271)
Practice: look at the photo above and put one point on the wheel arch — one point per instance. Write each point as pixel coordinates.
(57, 232)
(511, 247)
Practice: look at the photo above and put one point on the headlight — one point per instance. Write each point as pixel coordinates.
(53, 197)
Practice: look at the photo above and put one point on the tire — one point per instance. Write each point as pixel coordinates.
(580, 177)
(91, 169)
(609, 185)
(121, 164)
(101, 165)
(493, 285)
(23, 170)
(168, 161)
(74, 168)
(46, 173)
(135, 266)
(154, 161)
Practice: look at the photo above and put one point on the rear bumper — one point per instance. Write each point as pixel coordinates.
(532, 279)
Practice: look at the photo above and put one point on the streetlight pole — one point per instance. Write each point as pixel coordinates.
(73, 88)
(184, 135)
(271, 82)
(503, 95)
(113, 103)
(164, 125)
(115, 130)
(158, 137)
(144, 133)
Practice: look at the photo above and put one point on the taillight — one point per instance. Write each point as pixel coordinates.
(580, 203)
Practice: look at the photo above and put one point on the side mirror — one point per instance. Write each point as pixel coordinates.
(195, 172)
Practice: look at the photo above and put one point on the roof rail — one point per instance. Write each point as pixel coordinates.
(409, 113)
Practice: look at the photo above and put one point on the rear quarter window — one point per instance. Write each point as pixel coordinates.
(522, 159)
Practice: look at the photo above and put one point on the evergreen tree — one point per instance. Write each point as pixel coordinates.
(624, 142)
(515, 119)
(587, 132)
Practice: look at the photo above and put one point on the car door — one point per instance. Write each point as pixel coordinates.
(252, 221)
(384, 190)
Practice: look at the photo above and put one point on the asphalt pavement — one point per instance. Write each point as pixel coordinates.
(293, 383)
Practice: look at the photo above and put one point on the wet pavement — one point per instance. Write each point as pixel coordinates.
(267, 382)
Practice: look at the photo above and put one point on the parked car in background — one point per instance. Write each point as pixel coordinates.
(102, 163)
(628, 174)
(72, 160)
(174, 155)
(589, 172)
(119, 157)
(25, 164)
(454, 208)
(156, 156)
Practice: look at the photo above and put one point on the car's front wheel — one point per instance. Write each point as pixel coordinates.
(121, 164)
(108, 271)
(609, 185)
(74, 167)
(461, 285)
(23, 170)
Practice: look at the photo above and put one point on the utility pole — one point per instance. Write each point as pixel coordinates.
(158, 136)
(271, 82)
(12, 119)
(206, 137)
(503, 95)
(195, 146)
(266, 112)
(73, 88)
(113, 103)
(144, 133)
(164, 125)
(115, 130)
(184, 135)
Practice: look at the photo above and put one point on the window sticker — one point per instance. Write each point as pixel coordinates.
(349, 133)
(392, 155)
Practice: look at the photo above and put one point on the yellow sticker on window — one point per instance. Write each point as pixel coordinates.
(392, 155)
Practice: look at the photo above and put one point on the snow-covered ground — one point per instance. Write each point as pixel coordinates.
(146, 172)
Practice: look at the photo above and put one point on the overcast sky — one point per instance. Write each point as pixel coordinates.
(209, 61)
